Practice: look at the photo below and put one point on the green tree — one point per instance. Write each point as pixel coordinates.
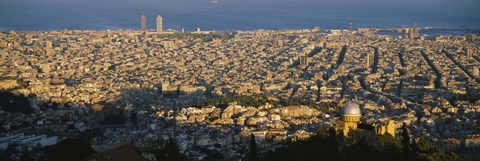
(70, 149)
(426, 151)
(423, 146)
(406, 139)
(173, 151)
(169, 152)
(7, 155)
(41, 159)
(361, 151)
(160, 154)
(253, 151)
(333, 149)
(390, 148)
(26, 156)
(324, 145)
(5, 158)
(14, 102)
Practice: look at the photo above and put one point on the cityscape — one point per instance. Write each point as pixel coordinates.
(154, 93)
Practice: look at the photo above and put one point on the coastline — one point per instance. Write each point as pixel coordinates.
(382, 31)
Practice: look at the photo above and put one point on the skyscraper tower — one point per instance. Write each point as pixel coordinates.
(143, 23)
(304, 61)
(350, 25)
(410, 33)
(370, 59)
(468, 52)
(476, 71)
(48, 47)
(159, 24)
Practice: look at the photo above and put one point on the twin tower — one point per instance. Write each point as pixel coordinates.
(143, 23)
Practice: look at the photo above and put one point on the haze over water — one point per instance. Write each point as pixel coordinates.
(42, 15)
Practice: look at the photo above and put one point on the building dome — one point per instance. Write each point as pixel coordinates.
(351, 109)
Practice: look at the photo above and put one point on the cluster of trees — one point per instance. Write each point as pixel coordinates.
(252, 149)
(211, 36)
(111, 115)
(324, 107)
(204, 37)
(325, 146)
(165, 150)
(262, 99)
(12, 102)
(11, 153)
(78, 150)
(70, 149)
(15, 103)
(222, 102)
(423, 150)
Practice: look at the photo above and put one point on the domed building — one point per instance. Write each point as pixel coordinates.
(351, 114)
(351, 127)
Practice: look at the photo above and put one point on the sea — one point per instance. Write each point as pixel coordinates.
(444, 16)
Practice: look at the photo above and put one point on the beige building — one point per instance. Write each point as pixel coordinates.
(143, 23)
(472, 141)
(351, 118)
(159, 24)
(351, 128)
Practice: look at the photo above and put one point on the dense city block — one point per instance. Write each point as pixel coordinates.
(208, 93)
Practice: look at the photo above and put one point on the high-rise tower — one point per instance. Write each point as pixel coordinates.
(143, 23)
(304, 60)
(48, 47)
(159, 24)
(370, 60)
(468, 52)
(476, 71)
(411, 33)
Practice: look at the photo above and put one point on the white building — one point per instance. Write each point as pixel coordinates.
(29, 141)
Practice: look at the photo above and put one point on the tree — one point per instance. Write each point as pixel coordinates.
(423, 146)
(41, 159)
(389, 148)
(160, 154)
(173, 151)
(324, 146)
(253, 152)
(15, 103)
(70, 149)
(169, 152)
(405, 139)
(212, 155)
(361, 151)
(7, 155)
(333, 149)
(5, 158)
(428, 152)
(26, 156)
